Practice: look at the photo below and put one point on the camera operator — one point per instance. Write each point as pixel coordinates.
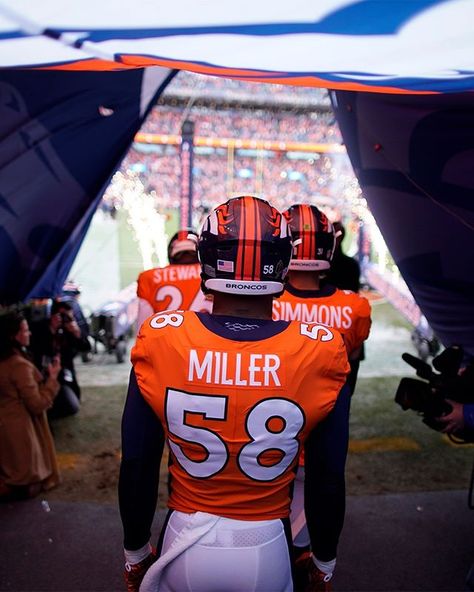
(60, 335)
(460, 419)
(446, 400)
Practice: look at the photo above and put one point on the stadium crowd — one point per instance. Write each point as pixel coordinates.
(191, 84)
(261, 124)
(216, 175)
(279, 174)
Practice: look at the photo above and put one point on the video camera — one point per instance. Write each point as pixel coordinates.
(429, 398)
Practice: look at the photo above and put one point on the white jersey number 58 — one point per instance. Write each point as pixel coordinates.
(215, 452)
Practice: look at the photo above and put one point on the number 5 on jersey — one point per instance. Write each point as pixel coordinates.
(263, 439)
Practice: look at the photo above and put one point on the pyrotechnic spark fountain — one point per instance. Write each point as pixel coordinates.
(147, 224)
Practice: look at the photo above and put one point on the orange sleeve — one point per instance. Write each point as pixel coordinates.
(141, 289)
(334, 368)
(338, 368)
(359, 331)
(363, 321)
(139, 286)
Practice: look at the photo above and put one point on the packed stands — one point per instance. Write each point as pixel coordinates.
(270, 124)
(187, 85)
(217, 173)
(271, 140)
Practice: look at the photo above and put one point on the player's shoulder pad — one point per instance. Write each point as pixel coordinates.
(358, 299)
(145, 275)
(364, 305)
(319, 333)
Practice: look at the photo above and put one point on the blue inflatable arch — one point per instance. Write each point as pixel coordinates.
(76, 85)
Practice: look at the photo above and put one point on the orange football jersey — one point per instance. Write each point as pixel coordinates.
(173, 287)
(344, 310)
(236, 413)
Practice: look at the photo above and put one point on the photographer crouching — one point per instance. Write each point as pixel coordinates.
(60, 335)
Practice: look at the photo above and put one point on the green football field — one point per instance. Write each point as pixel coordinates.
(109, 258)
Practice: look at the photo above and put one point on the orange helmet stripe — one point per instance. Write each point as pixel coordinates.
(239, 265)
(249, 242)
(257, 250)
(304, 226)
(248, 255)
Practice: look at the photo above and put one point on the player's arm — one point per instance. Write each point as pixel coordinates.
(360, 329)
(355, 353)
(325, 460)
(142, 448)
(145, 310)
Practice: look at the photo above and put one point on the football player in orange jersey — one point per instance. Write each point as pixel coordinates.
(236, 396)
(306, 299)
(176, 286)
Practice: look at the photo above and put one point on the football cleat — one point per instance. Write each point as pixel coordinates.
(135, 573)
(308, 578)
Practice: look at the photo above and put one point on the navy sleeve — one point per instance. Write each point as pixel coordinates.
(325, 489)
(468, 412)
(142, 448)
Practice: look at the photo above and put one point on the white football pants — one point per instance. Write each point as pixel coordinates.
(228, 555)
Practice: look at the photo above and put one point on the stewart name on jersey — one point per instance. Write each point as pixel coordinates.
(173, 287)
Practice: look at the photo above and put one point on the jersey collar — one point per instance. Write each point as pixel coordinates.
(241, 329)
(323, 292)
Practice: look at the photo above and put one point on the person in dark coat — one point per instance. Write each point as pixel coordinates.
(345, 271)
(345, 275)
(60, 335)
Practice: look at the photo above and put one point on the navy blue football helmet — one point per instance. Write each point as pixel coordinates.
(314, 238)
(245, 248)
(183, 241)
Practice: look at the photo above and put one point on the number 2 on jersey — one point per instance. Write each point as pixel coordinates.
(175, 296)
(171, 292)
